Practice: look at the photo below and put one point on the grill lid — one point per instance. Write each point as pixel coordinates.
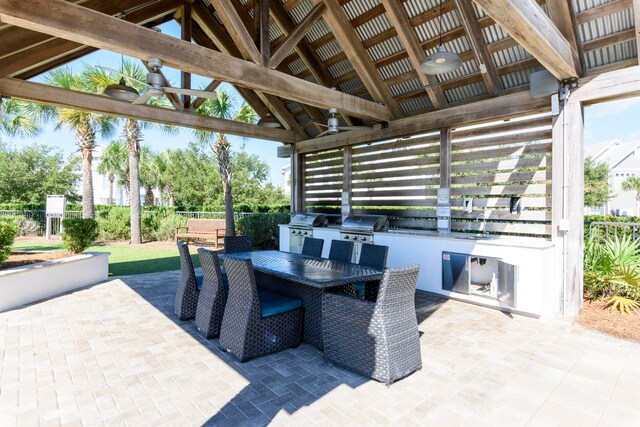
(364, 223)
(307, 220)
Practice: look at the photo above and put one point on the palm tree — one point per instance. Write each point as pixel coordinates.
(113, 163)
(100, 79)
(633, 184)
(222, 107)
(148, 174)
(85, 124)
(19, 118)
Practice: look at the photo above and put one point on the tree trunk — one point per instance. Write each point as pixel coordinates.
(132, 134)
(85, 137)
(149, 198)
(172, 197)
(229, 220)
(222, 150)
(112, 178)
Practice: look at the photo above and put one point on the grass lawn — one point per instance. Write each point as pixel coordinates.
(124, 260)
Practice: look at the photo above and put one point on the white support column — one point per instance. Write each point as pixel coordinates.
(567, 206)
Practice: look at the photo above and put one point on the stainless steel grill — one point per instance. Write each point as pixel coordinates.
(301, 226)
(360, 229)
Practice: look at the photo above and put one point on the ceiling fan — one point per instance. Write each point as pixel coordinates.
(156, 86)
(333, 125)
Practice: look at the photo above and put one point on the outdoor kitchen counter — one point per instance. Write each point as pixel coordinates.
(536, 294)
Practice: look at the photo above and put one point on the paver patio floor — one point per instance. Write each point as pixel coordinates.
(114, 354)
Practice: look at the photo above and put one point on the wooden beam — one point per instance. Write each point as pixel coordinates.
(212, 86)
(358, 56)
(527, 23)
(511, 105)
(43, 94)
(72, 22)
(216, 37)
(294, 37)
(409, 39)
(237, 30)
(479, 45)
(636, 19)
(562, 14)
(602, 10)
(35, 60)
(265, 47)
(185, 24)
(609, 86)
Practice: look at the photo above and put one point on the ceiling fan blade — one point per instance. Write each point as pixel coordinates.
(111, 70)
(321, 124)
(192, 92)
(326, 132)
(360, 128)
(142, 99)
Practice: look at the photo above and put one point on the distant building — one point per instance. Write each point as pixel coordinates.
(286, 176)
(623, 159)
(101, 185)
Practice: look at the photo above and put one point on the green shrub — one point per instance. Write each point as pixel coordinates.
(114, 223)
(8, 231)
(167, 224)
(263, 228)
(612, 271)
(79, 233)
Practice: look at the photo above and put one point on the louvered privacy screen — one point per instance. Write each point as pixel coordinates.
(491, 163)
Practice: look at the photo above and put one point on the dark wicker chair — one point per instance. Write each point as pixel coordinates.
(341, 250)
(374, 256)
(312, 247)
(255, 324)
(233, 244)
(213, 295)
(189, 286)
(379, 340)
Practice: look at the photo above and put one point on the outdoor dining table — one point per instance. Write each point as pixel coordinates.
(307, 278)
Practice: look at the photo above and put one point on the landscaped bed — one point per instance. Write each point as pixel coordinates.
(20, 258)
(594, 315)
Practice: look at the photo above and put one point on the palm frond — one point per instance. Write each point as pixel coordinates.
(622, 304)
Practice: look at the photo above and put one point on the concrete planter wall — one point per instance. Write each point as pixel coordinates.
(35, 282)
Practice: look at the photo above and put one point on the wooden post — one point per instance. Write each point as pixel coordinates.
(347, 181)
(297, 178)
(567, 206)
(445, 171)
(186, 35)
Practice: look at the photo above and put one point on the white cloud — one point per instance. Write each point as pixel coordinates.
(614, 108)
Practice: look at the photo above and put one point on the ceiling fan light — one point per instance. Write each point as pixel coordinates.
(121, 91)
(441, 62)
(268, 121)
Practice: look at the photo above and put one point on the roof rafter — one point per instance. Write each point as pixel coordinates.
(561, 13)
(237, 30)
(73, 22)
(476, 38)
(358, 56)
(409, 39)
(294, 36)
(527, 23)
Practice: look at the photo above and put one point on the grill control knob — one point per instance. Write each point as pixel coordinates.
(305, 233)
(363, 238)
(346, 237)
(355, 237)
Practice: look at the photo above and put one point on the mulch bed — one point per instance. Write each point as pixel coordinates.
(18, 259)
(595, 315)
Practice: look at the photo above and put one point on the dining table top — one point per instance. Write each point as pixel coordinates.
(308, 270)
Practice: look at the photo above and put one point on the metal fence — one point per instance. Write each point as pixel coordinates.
(604, 230)
(33, 222)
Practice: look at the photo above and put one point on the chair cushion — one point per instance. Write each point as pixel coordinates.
(272, 303)
(360, 289)
(199, 280)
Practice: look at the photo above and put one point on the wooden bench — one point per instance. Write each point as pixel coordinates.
(202, 229)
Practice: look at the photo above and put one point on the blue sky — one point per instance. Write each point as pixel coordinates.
(618, 119)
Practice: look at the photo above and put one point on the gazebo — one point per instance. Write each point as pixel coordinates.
(479, 130)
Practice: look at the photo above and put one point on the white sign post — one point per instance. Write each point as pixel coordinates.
(55, 209)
